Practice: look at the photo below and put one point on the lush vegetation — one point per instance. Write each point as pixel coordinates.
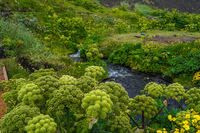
(47, 92)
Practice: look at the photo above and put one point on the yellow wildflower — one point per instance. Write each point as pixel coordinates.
(170, 117)
(187, 127)
(198, 131)
(187, 116)
(174, 119)
(159, 131)
(182, 130)
(185, 122)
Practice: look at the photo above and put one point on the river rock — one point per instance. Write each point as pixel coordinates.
(138, 36)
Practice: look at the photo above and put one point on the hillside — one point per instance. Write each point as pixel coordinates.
(190, 6)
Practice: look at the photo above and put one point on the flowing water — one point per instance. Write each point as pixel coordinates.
(133, 81)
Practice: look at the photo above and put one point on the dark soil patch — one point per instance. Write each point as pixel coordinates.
(170, 39)
(190, 6)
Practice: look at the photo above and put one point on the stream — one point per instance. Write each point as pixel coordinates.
(134, 81)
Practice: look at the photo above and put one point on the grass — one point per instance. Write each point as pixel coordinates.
(23, 43)
(130, 37)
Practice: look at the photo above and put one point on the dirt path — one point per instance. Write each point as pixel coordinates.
(3, 76)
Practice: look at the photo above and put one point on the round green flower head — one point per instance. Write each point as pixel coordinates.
(94, 72)
(31, 95)
(86, 83)
(97, 103)
(175, 90)
(66, 96)
(67, 80)
(153, 89)
(118, 95)
(184, 118)
(143, 103)
(48, 84)
(13, 86)
(16, 120)
(192, 97)
(41, 124)
(42, 72)
(120, 124)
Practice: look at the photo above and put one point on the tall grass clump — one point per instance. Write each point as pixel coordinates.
(18, 41)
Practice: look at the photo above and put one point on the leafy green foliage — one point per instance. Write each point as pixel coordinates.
(120, 56)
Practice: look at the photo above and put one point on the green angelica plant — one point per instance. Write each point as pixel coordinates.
(42, 72)
(93, 53)
(145, 106)
(153, 89)
(86, 83)
(48, 84)
(31, 95)
(118, 95)
(17, 119)
(94, 72)
(67, 80)
(175, 91)
(192, 97)
(12, 86)
(184, 119)
(97, 103)
(120, 124)
(41, 124)
(66, 96)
